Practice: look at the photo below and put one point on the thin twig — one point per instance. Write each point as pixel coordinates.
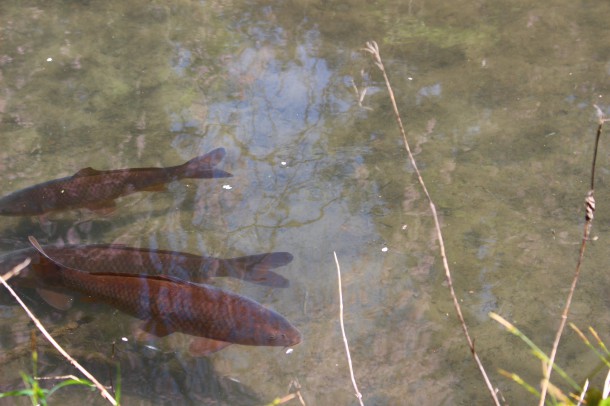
(373, 49)
(590, 210)
(349, 358)
(38, 324)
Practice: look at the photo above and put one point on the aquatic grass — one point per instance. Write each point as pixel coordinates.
(592, 397)
(33, 390)
(535, 350)
(373, 49)
(39, 325)
(603, 356)
(39, 395)
(589, 213)
(587, 395)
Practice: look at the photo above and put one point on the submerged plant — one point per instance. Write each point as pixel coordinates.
(33, 390)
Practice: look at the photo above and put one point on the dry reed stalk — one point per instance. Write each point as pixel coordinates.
(349, 358)
(589, 211)
(373, 49)
(38, 324)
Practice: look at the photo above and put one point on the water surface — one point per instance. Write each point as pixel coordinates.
(497, 101)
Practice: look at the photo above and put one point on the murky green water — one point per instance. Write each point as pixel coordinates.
(496, 98)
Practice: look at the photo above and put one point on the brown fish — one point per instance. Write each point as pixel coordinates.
(168, 305)
(95, 189)
(119, 258)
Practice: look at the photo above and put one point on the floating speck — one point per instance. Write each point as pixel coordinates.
(49, 59)
(384, 249)
(289, 351)
(404, 226)
(284, 163)
(124, 339)
(227, 187)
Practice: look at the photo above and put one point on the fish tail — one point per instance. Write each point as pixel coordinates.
(202, 167)
(256, 268)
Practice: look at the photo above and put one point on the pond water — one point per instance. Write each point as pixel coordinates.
(497, 100)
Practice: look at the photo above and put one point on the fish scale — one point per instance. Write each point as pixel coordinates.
(95, 189)
(124, 259)
(170, 305)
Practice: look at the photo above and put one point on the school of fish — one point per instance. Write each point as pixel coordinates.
(168, 290)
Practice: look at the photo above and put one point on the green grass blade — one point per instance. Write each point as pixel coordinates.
(69, 382)
(538, 353)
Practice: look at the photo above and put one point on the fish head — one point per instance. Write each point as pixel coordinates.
(16, 205)
(276, 331)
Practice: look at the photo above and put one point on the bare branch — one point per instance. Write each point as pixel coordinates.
(373, 49)
(349, 358)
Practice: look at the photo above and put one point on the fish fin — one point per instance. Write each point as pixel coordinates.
(88, 171)
(60, 301)
(255, 268)
(203, 166)
(201, 346)
(156, 328)
(212, 158)
(43, 255)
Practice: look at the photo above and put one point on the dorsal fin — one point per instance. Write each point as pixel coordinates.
(88, 171)
(172, 279)
(36, 245)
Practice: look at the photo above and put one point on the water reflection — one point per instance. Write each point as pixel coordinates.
(493, 98)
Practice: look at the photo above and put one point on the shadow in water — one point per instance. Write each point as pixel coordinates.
(145, 374)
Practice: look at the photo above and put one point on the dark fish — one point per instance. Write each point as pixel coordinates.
(119, 258)
(168, 305)
(95, 189)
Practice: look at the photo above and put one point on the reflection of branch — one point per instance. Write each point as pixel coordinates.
(360, 95)
(589, 211)
(99, 386)
(373, 49)
(349, 358)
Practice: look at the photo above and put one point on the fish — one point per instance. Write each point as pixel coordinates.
(121, 258)
(167, 305)
(97, 190)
